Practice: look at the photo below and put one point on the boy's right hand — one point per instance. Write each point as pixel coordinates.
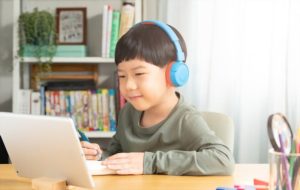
(92, 151)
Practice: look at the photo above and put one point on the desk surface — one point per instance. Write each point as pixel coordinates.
(243, 175)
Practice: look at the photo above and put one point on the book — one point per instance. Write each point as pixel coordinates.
(105, 109)
(127, 17)
(114, 32)
(25, 101)
(91, 110)
(104, 30)
(35, 103)
(43, 100)
(96, 168)
(112, 109)
(100, 110)
(108, 34)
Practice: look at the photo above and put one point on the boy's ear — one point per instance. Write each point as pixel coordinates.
(177, 73)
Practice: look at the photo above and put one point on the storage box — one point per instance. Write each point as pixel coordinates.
(61, 51)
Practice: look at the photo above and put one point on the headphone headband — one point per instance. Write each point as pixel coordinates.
(177, 72)
(172, 35)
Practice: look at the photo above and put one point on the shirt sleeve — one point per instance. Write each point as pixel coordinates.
(205, 154)
(113, 147)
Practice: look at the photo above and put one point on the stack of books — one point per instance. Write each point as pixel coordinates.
(115, 23)
(91, 109)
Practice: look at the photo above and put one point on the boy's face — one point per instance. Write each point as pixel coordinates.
(142, 84)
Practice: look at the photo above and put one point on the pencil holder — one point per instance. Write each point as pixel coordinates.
(284, 171)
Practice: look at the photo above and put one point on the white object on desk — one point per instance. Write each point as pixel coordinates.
(96, 168)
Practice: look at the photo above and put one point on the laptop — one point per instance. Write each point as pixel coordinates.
(45, 146)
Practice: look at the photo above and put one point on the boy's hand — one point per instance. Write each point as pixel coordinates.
(92, 151)
(126, 163)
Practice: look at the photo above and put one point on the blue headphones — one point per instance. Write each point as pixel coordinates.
(177, 72)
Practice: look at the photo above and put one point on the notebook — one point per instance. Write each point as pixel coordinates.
(46, 146)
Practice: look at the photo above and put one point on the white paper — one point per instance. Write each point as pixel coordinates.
(96, 168)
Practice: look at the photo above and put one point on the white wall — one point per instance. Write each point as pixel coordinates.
(6, 30)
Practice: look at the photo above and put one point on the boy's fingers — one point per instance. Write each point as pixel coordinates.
(89, 151)
(116, 161)
(89, 145)
(118, 156)
(88, 157)
(92, 146)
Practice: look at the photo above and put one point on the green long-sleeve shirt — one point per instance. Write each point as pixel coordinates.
(182, 144)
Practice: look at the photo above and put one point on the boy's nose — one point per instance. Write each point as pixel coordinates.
(131, 84)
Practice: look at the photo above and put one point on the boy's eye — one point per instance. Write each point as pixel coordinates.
(121, 76)
(139, 74)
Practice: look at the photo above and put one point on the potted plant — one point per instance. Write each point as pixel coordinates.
(37, 38)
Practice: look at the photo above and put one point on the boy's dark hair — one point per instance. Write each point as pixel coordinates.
(149, 43)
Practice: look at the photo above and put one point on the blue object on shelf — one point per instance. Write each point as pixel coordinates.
(61, 51)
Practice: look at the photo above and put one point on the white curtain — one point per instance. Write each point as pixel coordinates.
(244, 59)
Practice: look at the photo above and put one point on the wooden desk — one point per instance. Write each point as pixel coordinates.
(244, 174)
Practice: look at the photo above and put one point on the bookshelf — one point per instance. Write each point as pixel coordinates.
(99, 134)
(71, 60)
(106, 66)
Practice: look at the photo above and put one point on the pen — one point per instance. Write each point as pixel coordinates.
(284, 161)
(298, 140)
(83, 137)
(292, 159)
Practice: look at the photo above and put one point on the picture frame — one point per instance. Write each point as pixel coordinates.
(71, 26)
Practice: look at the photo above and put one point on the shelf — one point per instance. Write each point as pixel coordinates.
(99, 134)
(92, 60)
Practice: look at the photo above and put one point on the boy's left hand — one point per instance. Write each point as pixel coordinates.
(126, 163)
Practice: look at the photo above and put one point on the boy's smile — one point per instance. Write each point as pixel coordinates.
(135, 97)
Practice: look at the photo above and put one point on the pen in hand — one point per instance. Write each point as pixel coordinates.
(87, 146)
(83, 137)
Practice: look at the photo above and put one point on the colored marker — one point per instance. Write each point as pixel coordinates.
(284, 161)
(83, 137)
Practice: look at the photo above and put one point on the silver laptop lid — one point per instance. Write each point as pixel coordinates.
(44, 146)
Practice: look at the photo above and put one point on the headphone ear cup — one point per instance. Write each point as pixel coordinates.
(177, 73)
(168, 74)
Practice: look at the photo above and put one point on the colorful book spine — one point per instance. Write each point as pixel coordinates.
(127, 17)
(35, 103)
(105, 109)
(68, 103)
(25, 101)
(48, 105)
(114, 32)
(85, 110)
(109, 24)
(104, 30)
(91, 110)
(52, 104)
(62, 103)
(43, 99)
(56, 103)
(112, 110)
(100, 110)
(94, 112)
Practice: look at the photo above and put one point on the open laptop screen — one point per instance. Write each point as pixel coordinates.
(45, 146)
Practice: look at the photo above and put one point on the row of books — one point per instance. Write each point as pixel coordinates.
(91, 110)
(115, 23)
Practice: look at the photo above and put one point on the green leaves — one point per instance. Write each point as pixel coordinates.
(37, 33)
(37, 28)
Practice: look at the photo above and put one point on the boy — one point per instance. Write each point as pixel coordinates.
(157, 132)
